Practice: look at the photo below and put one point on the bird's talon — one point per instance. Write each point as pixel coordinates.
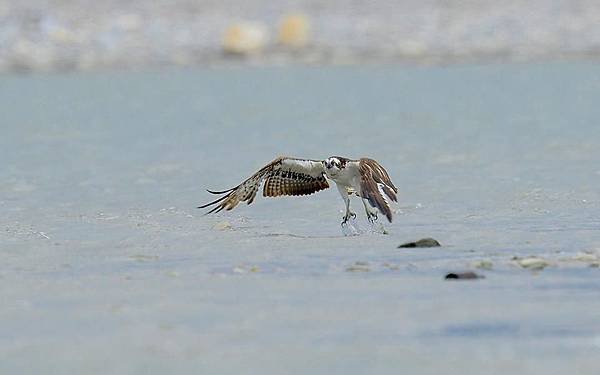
(372, 217)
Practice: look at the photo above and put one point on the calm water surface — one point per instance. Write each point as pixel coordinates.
(107, 267)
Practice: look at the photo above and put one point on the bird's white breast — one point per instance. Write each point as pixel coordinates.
(348, 176)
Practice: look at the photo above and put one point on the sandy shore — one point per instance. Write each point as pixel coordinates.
(63, 35)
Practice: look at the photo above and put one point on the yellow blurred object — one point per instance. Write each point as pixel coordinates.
(244, 38)
(294, 30)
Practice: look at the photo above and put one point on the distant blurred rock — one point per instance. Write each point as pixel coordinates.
(424, 242)
(412, 48)
(245, 38)
(468, 275)
(294, 30)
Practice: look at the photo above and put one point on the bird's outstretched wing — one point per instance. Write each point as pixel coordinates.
(376, 186)
(282, 176)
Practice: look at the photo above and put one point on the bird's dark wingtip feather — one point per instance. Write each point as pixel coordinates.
(214, 202)
(219, 192)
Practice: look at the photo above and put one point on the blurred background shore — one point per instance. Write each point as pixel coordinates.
(63, 35)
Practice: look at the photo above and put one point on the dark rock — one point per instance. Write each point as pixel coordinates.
(469, 275)
(424, 242)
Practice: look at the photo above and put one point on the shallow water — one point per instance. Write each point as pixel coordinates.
(108, 267)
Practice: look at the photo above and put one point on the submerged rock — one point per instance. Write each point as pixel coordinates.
(143, 257)
(222, 225)
(358, 267)
(532, 263)
(246, 269)
(468, 275)
(587, 257)
(424, 242)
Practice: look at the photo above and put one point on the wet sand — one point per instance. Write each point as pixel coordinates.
(109, 268)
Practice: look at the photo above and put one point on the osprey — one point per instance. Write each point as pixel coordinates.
(291, 176)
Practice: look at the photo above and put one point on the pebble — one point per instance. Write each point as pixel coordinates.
(532, 263)
(585, 257)
(358, 267)
(222, 225)
(246, 269)
(424, 242)
(144, 258)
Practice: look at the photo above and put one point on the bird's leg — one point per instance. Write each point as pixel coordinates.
(349, 214)
(371, 214)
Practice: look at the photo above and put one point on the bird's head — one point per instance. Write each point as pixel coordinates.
(333, 164)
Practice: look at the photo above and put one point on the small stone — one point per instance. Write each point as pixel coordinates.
(144, 258)
(595, 265)
(358, 267)
(424, 242)
(244, 38)
(294, 30)
(222, 225)
(246, 269)
(468, 275)
(533, 263)
(585, 257)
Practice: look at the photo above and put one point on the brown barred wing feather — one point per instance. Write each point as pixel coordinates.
(283, 176)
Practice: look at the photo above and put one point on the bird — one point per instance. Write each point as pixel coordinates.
(364, 177)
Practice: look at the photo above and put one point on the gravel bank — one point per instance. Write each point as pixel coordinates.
(89, 35)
